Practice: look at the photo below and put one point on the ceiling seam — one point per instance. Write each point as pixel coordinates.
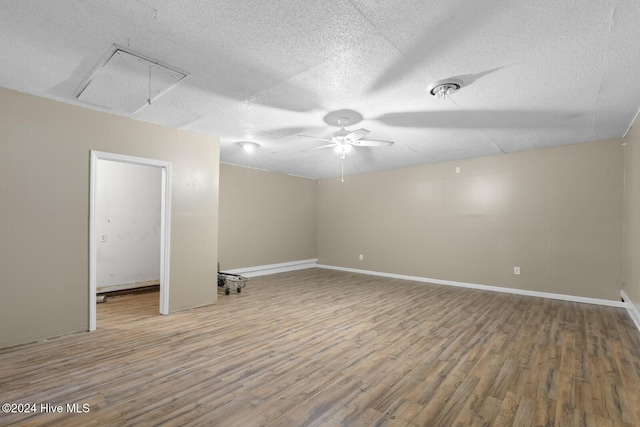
(375, 27)
(604, 71)
(286, 79)
(255, 95)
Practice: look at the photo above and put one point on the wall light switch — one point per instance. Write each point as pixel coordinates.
(457, 169)
(361, 257)
(516, 270)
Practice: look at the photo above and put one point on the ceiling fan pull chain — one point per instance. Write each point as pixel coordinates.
(342, 169)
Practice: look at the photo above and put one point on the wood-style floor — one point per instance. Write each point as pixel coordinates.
(319, 347)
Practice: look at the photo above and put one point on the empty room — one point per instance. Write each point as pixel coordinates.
(320, 213)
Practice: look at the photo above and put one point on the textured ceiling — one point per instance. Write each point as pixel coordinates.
(535, 73)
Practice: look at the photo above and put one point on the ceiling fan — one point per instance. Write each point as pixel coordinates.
(343, 141)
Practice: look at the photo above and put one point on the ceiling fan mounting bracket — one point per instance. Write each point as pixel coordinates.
(342, 118)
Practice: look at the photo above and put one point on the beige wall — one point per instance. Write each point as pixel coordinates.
(265, 217)
(632, 214)
(556, 213)
(44, 211)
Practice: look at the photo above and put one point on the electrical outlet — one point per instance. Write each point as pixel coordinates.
(103, 238)
(516, 270)
(361, 257)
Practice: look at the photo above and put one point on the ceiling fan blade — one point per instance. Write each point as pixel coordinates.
(316, 137)
(356, 135)
(322, 146)
(371, 143)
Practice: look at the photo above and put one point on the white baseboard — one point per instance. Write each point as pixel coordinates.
(483, 287)
(262, 270)
(631, 309)
(124, 286)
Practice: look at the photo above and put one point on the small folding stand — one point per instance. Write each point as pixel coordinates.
(238, 281)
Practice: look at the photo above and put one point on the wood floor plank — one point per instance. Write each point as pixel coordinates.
(526, 412)
(318, 347)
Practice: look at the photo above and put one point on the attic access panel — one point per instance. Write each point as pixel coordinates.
(126, 82)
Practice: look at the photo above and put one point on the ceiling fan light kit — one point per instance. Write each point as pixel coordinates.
(344, 141)
(343, 149)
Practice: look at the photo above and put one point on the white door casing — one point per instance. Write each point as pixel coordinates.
(165, 223)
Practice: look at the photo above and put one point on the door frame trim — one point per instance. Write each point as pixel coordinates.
(165, 226)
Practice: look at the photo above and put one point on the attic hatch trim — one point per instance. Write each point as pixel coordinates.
(114, 50)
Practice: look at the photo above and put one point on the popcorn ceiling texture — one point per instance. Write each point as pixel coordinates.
(535, 74)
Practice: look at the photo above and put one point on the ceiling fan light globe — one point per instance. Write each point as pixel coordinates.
(344, 149)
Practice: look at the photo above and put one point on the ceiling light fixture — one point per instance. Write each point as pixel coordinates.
(444, 88)
(248, 146)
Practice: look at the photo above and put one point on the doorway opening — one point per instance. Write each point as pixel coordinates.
(96, 237)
